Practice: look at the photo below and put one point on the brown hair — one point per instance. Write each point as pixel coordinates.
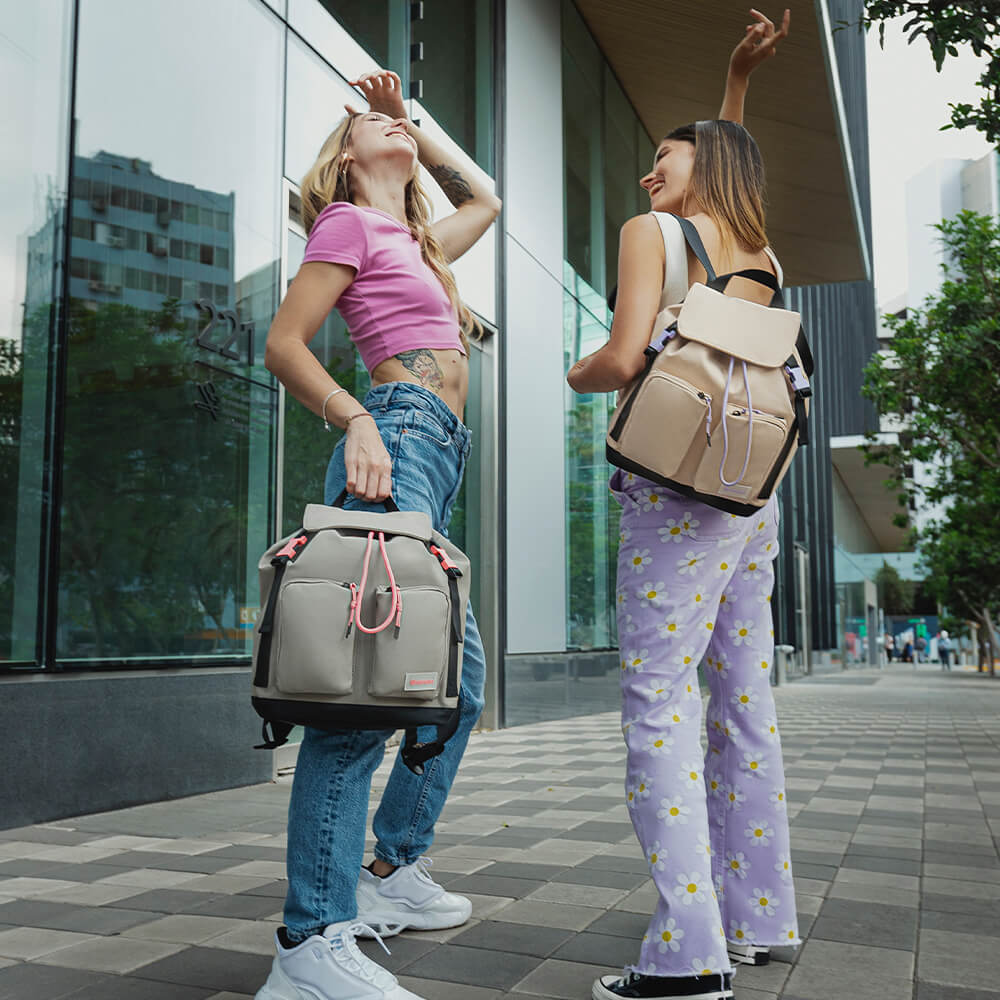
(727, 182)
(328, 180)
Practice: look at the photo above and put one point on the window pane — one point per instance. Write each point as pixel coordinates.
(307, 448)
(584, 181)
(621, 183)
(34, 66)
(168, 409)
(367, 21)
(592, 513)
(311, 85)
(457, 72)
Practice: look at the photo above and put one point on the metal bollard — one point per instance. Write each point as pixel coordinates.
(781, 654)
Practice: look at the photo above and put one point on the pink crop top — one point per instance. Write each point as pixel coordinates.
(395, 302)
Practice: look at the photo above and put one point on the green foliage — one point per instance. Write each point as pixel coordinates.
(948, 28)
(895, 595)
(940, 378)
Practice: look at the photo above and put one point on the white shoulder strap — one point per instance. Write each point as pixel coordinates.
(675, 278)
(777, 266)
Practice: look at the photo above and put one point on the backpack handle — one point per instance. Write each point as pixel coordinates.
(760, 276)
(388, 503)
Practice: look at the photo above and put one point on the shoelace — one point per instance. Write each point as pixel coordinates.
(423, 866)
(358, 963)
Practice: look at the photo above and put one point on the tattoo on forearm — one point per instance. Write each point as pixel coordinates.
(423, 364)
(454, 185)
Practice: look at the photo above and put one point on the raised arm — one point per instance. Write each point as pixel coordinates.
(476, 206)
(759, 43)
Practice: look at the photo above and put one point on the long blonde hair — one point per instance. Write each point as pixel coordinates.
(728, 182)
(328, 180)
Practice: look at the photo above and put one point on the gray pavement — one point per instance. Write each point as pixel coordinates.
(894, 794)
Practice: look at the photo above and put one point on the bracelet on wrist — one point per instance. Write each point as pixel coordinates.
(354, 416)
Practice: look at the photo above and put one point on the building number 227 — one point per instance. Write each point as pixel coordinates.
(231, 330)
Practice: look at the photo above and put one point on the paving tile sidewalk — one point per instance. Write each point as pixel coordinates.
(894, 794)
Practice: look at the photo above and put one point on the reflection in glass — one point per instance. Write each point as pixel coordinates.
(314, 105)
(307, 446)
(592, 513)
(457, 72)
(35, 57)
(376, 24)
(168, 408)
(583, 184)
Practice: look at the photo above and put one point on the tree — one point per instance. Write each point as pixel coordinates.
(940, 379)
(947, 26)
(895, 595)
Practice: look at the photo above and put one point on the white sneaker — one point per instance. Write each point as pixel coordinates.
(748, 954)
(330, 966)
(408, 898)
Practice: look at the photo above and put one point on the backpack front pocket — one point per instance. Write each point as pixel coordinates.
(411, 658)
(314, 652)
(742, 455)
(667, 417)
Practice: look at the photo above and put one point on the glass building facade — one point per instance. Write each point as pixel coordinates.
(151, 454)
(152, 226)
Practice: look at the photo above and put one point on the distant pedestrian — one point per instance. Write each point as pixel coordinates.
(944, 650)
(920, 645)
(908, 652)
(890, 646)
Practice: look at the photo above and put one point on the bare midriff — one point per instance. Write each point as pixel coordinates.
(445, 373)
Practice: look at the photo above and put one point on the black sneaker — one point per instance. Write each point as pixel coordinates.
(718, 986)
(748, 954)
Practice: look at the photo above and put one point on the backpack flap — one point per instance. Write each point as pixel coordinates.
(745, 330)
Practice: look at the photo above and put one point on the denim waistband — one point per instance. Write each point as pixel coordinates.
(408, 396)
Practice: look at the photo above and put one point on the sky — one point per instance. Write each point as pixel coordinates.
(907, 104)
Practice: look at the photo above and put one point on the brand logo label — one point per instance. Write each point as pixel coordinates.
(420, 682)
(736, 490)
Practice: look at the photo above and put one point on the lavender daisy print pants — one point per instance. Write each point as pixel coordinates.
(694, 585)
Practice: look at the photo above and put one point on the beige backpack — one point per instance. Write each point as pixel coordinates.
(722, 404)
(363, 625)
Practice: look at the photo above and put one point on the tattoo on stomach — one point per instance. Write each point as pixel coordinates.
(424, 366)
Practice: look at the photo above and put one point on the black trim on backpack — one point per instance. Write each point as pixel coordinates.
(415, 754)
(265, 628)
(719, 503)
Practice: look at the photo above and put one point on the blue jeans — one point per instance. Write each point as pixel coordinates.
(328, 812)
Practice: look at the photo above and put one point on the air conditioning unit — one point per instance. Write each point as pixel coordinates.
(97, 286)
(159, 251)
(113, 289)
(116, 241)
(99, 204)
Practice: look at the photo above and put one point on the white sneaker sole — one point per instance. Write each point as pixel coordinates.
(280, 987)
(749, 955)
(390, 924)
(600, 992)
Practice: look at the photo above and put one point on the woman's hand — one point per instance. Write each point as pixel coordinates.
(369, 468)
(760, 43)
(384, 92)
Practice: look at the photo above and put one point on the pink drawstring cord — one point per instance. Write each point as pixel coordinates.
(357, 592)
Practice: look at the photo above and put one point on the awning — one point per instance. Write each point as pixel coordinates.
(671, 59)
(876, 505)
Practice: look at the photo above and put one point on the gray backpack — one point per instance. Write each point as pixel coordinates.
(362, 628)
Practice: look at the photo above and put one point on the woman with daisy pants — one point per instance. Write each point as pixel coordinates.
(694, 583)
(694, 586)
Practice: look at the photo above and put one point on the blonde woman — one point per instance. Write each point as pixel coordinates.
(374, 255)
(695, 583)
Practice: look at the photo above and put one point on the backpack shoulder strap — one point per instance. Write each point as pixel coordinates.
(675, 283)
(777, 266)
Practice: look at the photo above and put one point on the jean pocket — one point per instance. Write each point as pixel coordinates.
(424, 426)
